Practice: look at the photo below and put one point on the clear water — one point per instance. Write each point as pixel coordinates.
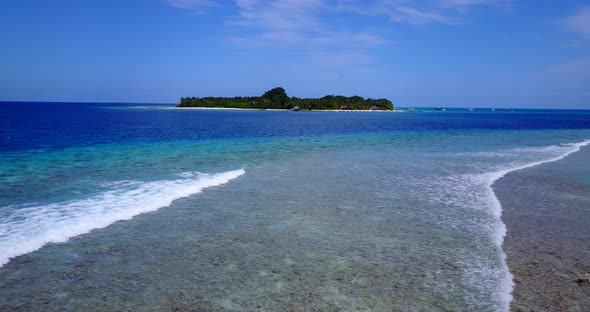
(117, 207)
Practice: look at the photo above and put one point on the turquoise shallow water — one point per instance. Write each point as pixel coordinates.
(269, 212)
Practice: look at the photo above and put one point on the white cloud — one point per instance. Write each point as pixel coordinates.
(197, 6)
(307, 25)
(413, 16)
(280, 15)
(466, 4)
(294, 24)
(579, 22)
(417, 13)
(302, 26)
(398, 11)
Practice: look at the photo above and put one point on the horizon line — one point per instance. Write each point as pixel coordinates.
(403, 106)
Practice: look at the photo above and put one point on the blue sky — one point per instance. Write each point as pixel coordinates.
(460, 53)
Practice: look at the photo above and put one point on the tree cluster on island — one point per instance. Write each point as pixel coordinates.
(277, 99)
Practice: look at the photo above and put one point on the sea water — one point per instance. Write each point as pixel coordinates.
(122, 207)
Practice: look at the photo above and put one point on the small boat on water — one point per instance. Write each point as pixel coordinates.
(440, 109)
(469, 109)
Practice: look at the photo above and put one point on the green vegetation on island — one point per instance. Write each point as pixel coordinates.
(277, 99)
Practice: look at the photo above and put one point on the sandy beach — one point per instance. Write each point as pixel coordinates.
(282, 110)
(545, 209)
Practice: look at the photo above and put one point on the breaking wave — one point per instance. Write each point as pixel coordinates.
(29, 227)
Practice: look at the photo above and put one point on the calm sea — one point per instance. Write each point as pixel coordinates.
(111, 206)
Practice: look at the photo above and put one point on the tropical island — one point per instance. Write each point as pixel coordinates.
(277, 98)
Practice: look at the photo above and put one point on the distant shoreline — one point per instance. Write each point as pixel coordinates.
(277, 98)
(276, 109)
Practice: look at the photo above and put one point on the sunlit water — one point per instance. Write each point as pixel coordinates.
(223, 210)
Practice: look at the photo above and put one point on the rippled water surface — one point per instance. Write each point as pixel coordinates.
(115, 207)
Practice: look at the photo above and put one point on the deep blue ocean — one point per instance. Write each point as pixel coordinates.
(120, 206)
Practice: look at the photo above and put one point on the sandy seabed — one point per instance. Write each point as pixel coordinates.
(546, 210)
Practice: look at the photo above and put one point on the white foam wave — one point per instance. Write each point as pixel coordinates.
(467, 187)
(30, 227)
(555, 152)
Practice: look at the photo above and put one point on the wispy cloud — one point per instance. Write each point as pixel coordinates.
(294, 24)
(579, 22)
(197, 6)
(463, 5)
(300, 23)
(397, 11)
(304, 26)
(414, 16)
(318, 28)
(578, 68)
(570, 79)
(417, 13)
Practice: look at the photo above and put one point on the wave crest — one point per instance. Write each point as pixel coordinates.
(561, 151)
(29, 227)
